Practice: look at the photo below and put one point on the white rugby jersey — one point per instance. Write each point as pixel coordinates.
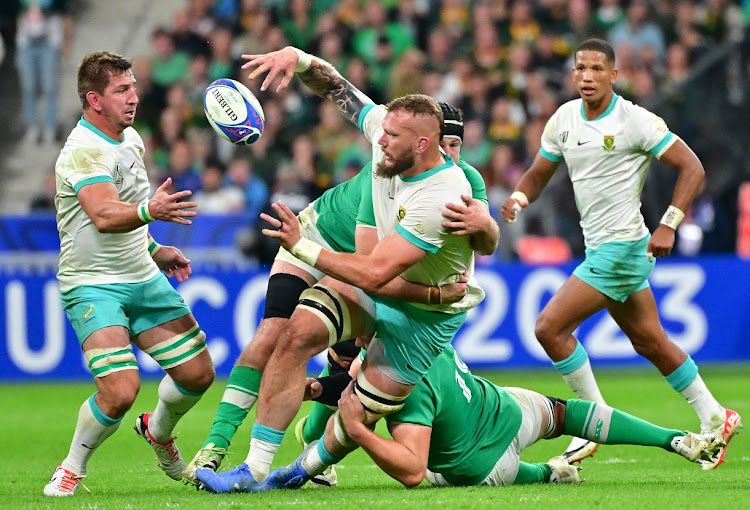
(608, 159)
(414, 207)
(87, 256)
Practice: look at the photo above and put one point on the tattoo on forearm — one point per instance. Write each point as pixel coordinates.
(323, 79)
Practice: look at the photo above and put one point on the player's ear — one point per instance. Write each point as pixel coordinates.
(94, 100)
(615, 72)
(422, 144)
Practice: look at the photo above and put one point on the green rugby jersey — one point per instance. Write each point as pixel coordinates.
(473, 421)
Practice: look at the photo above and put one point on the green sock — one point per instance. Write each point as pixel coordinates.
(605, 425)
(239, 398)
(532, 473)
(315, 425)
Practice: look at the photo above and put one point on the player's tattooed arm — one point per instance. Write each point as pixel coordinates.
(326, 82)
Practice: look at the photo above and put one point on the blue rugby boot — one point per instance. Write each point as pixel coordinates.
(238, 479)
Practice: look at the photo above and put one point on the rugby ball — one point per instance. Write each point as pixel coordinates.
(233, 111)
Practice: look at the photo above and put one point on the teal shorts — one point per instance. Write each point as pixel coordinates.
(617, 269)
(412, 338)
(136, 306)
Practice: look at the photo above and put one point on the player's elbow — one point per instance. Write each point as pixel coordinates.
(411, 480)
(103, 225)
(375, 280)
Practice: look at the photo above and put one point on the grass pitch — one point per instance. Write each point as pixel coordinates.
(38, 422)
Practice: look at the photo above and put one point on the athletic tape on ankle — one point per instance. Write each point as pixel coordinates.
(108, 360)
(179, 349)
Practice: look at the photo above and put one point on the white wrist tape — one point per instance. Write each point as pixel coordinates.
(143, 213)
(307, 251)
(672, 217)
(305, 60)
(519, 197)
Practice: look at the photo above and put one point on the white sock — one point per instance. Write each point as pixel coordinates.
(173, 404)
(260, 457)
(582, 382)
(312, 463)
(709, 411)
(89, 434)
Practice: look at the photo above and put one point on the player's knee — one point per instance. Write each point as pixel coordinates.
(117, 397)
(544, 330)
(302, 338)
(647, 348)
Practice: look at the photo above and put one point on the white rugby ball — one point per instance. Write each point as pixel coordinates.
(233, 111)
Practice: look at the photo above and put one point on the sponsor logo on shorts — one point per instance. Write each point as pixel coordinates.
(89, 312)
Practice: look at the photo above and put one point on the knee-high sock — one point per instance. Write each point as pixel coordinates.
(174, 402)
(92, 429)
(686, 380)
(315, 425)
(239, 397)
(576, 370)
(603, 424)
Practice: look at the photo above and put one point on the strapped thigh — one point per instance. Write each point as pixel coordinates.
(107, 360)
(331, 308)
(179, 349)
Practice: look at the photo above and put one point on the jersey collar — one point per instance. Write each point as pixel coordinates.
(98, 132)
(432, 171)
(605, 113)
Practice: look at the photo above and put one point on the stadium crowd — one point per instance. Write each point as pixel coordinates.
(505, 63)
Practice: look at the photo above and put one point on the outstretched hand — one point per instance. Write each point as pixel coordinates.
(281, 62)
(167, 207)
(287, 226)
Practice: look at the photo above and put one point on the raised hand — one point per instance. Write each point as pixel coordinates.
(288, 233)
(281, 62)
(166, 207)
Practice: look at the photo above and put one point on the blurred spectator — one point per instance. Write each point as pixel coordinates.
(254, 190)
(222, 64)
(151, 97)
(502, 128)
(523, 27)
(370, 41)
(476, 148)
(298, 23)
(45, 200)
(298, 180)
(181, 167)
(608, 15)
(186, 40)
(406, 77)
(214, 197)
(168, 65)
(645, 38)
(43, 35)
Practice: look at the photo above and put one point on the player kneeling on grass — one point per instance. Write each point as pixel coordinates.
(459, 429)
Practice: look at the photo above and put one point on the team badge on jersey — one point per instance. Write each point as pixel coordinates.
(563, 137)
(609, 143)
(401, 213)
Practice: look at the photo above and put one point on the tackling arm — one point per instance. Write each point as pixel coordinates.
(403, 458)
(366, 238)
